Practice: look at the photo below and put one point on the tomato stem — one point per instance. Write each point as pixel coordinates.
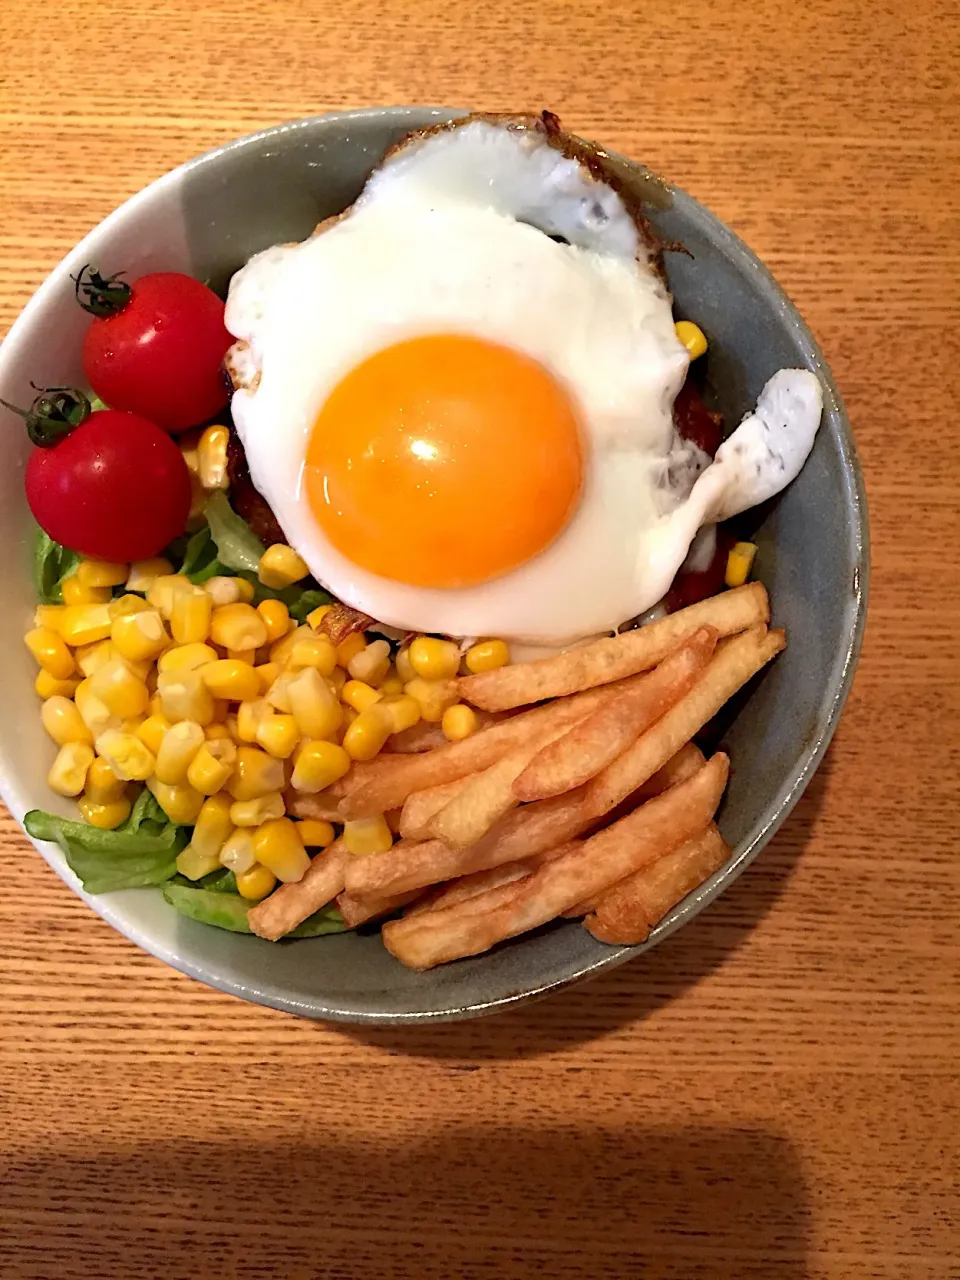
(100, 295)
(53, 413)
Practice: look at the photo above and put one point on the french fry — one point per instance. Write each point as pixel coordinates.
(301, 804)
(410, 864)
(385, 783)
(627, 912)
(591, 745)
(730, 668)
(614, 657)
(421, 807)
(290, 905)
(356, 911)
(422, 736)
(448, 895)
(651, 831)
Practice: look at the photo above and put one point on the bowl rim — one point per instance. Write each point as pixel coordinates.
(777, 809)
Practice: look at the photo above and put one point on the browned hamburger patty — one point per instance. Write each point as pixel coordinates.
(245, 499)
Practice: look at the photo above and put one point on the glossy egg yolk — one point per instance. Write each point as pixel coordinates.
(444, 461)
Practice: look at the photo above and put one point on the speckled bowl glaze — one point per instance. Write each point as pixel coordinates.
(207, 218)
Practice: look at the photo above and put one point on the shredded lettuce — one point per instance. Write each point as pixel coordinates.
(211, 901)
(51, 564)
(237, 546)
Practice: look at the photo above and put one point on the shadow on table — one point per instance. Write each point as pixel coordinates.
(469, 1202)
(618, 997)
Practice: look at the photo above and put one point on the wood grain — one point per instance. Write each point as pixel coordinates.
(775, 1090)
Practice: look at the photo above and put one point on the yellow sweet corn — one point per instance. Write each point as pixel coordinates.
(127, 604)
(266, 673)
(276, 618)
(223, 590)
(238, 626)
(246, 590)
(211, 767)
(337, 679)
(103, 785)
(179, 801)
(237, 851)
(254, 774)
(280, 566)
(278, 735)
(95, 714)
(318, 615)
(50, 652)
(76, 592)
(434, 659)
(391, 686)
(217, 732)
(127, 756)
(85, 623)
(405, 671)
(368, 733)
(251, 813)
(404, 712)
(102, 573)
(139, 636)
(256, 883)
(250, 716)
(281, 649)
(368, 835)
(152, 730)
(278, 695)
(372, 663)
(144, 573)
(487, 655)
(48, 686)
(212, 458)
(121, 692)
(358, 695)
(432, 696)
(164, 590)
(228, 678)
(349, 648)
(313, 704)
(180, 744)
(91, 657)
(68, 773)
(190, 616)
(313, 651)
(184, 696)
(278, 847)
(692, 337)
(63, 722)
(459, 722)
(248, 656)
(318, 764)
(105, 814)
(49, 615)
(213, 827)
(187, 657)
(739, 563)
(315, 833)
(195, 865)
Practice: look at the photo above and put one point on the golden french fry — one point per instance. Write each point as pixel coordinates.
(423, 736)
(627, 912)
(410, 864)
(729, 669)
(290, 905)
(320, 804)
(614, 657)
(448, 895)
(421, 807)
(356, 911)
(373, 790)
(591, 745)
(652, 830)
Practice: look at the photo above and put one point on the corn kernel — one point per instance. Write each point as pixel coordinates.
(266, 673)
(222, 590)
(337, 679)
(278, 847)
(212, 458)
(152, 730)
(50, 652)
(188, 442)
(190, 616)
(48, 686)
(184, 696)
(49, 615)
(404, 669)
(95, 714)
(237, 852)
(280, 650)
(231, 726)
(315, 833)
(256, 883)
(278, 735)
(63, 722)
(250, 715)
(358, 695)
(247, 591)
(91, 657)
(230, 679)
(313, 704)
(368, 733)
(434, 659)
(105, 814)
(119, 689)
(276, 618)
(195, 865)
(179, 802)
(180, 744)
(404, 712)
(102, 573)
(488, 655)
(251, 813)
(459, 722)
(76, 592)
(318, 765)
(432, 696)
(211, 767)
(139, 636)
(127, 604)
(187, 657)
(164, 590)
(127, 756)
(238, 626)
(349, 648)
(213, 827)
(217, 732)
(102, 783)
(132, 725)
(368, 835)
(143, 573)
(372, 663)
(692, 337)
(313, 651)
(739, 563)
(318, 615)
(280, 566)
(85, 623)
(278, 695)
(254, 774)
(68, 773)
(391, 686)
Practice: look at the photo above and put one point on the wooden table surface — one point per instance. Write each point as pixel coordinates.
(773, 1092)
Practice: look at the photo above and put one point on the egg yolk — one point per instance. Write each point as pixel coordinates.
(444, 461)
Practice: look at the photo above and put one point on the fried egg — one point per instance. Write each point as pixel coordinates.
(457, 396)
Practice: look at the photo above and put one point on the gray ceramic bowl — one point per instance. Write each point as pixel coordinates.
(207, 218)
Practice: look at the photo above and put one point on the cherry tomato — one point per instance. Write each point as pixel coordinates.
(155, 347)
(116, 488)
(694, 421)
(690, 588)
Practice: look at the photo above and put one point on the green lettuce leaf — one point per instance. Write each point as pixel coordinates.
(237, 546)
(215, 904)
(51, 564)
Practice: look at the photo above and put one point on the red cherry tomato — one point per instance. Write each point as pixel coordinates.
(695, 422)
(160, 353)
(116, 488)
